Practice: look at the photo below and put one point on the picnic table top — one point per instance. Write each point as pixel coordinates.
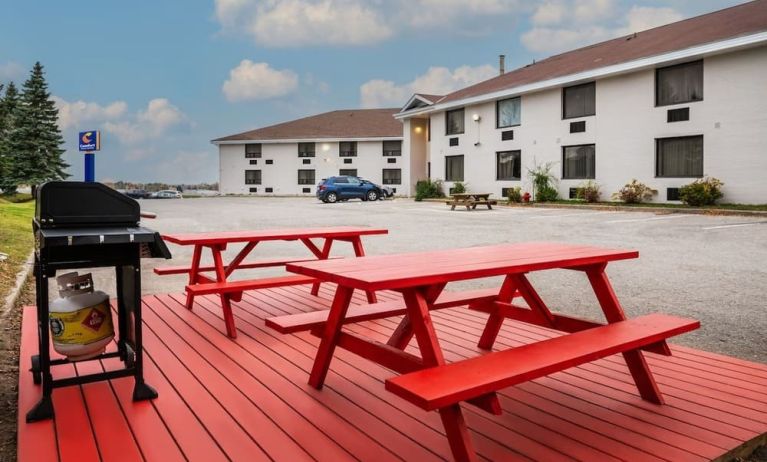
(464, 195)
(284, 234)
(441, 266)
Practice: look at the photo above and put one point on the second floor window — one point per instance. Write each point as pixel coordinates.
(253, 151)
(347, 149)
(682, 83)
(252, 176)
(306, 177)
(392, 148)
(579, 101)
(508, 112)
(305, 149)
(454, 122)
(347, 172)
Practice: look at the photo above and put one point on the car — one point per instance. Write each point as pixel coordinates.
(343, 188)
(137, 193)
(167, 194)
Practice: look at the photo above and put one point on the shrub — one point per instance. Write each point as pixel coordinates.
(704, 191)
(458, 188)
(427, 189)
(514, 194)
(543, 182)
(589, 191)
(635, 192)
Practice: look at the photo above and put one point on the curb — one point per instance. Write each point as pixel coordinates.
(622, 208)
(21, 278)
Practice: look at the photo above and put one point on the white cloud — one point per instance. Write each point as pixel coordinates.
(437, 80)
(11, 70)
(77, 113)
(561, 25)
(642, 18)
(157, 119)
(252, 81)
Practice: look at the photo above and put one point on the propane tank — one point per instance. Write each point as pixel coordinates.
(81, 320)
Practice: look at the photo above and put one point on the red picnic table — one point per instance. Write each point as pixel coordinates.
(428, 381)
(217, 242)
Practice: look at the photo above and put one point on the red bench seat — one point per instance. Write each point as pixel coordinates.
(307, 321)
(248, 284)
(443, 386)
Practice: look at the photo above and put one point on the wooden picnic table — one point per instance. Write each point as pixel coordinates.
(217, 242)
(421, 278)
(470, 200)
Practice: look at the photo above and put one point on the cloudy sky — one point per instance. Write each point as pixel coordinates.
(160, 79)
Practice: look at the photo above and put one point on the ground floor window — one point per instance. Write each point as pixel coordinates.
(578, 162)
(348, 172)
(679, 157)
(252, 176)
(306, 177)
(508, 165)
(454, 168)
(392, 176)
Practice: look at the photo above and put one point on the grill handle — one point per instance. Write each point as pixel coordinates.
(148, 215)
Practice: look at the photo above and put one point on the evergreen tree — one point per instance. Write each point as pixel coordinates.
(36, 138)
(9, 106)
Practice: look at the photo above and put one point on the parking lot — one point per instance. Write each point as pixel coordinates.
(711, 268)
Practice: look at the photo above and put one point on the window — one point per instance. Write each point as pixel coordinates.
(306, 177)
(253, 151)
(252, 176)
(341, 180)
(454, 122)
(507, 135)
(579, 101)
(682, 83)
(453, 168)
(679, 157)
(305, 149)
(347, 149)
(672, 194)
(428, 130)
(269, 161)
(392, 148)
(578, 127)
(392, 176)
(508, 165)
(508, 112)
(578, 162)
(348, 172)
(453, 142)
(678, 115)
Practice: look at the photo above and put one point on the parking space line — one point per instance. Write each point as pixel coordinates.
(580, 214)
(735, 225)
(664, 217)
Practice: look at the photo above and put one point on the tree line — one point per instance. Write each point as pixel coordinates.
(30, 140)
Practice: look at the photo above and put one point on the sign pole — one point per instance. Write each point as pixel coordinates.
(90, 166)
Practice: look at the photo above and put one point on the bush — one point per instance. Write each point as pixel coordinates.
(635, 193)
(704, 191)
(514, 194)
(458, 188)
(427, 189)
(543, 182)
(589, 191)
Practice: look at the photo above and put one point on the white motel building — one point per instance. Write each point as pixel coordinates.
(664, 106)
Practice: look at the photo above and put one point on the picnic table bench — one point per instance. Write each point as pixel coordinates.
(470, 200)
(428, 381)
(217, 242)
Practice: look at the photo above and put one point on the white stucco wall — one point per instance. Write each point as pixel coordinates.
(282, 175)
(732, 119)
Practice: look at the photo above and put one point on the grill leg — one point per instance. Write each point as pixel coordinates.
(141, 391)
(43, 410)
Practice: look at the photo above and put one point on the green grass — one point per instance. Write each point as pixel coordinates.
(16, 240)
(753, 207)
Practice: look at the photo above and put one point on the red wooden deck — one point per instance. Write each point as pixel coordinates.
(248, 399)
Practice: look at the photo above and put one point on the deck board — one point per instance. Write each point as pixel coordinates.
(248, 399)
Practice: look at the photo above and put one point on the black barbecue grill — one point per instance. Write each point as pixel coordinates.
(88, 225)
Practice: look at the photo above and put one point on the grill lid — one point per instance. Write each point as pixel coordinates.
(77, 203)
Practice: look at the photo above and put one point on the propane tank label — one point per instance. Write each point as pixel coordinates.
(81, 327)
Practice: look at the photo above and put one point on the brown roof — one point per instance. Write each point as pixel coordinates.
(724, 24)
(432, 98)
(342, 124)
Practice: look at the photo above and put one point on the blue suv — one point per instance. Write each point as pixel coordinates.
(342, 188)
